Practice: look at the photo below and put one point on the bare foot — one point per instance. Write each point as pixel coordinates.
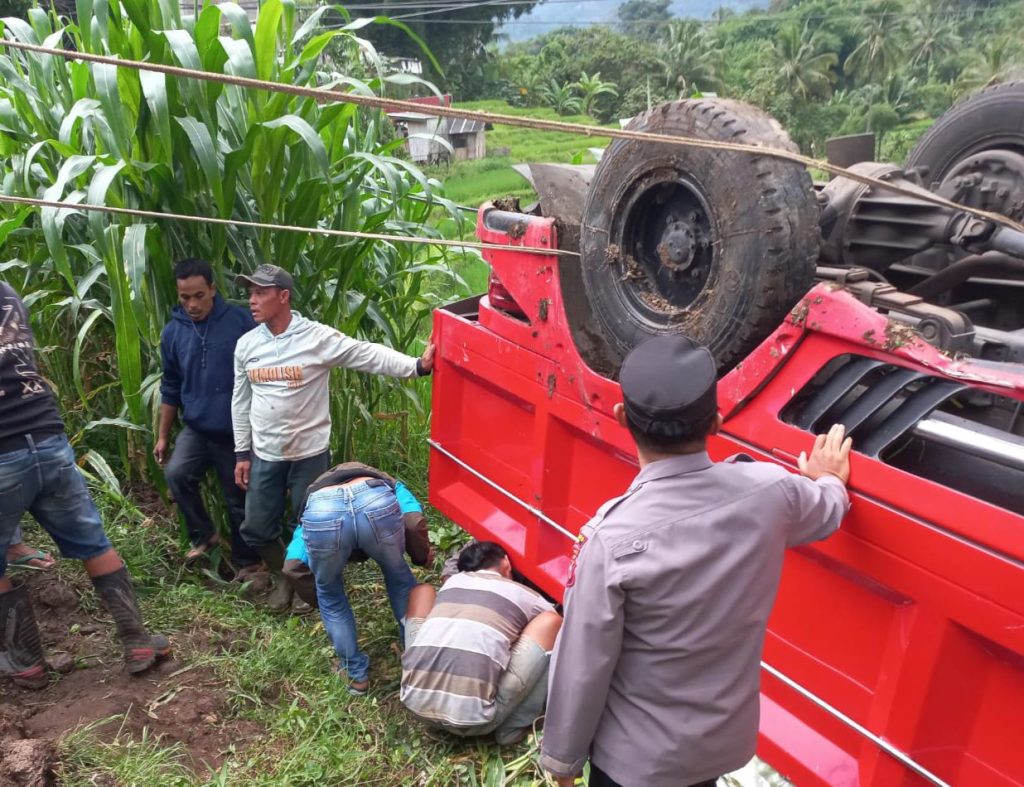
(27, 557)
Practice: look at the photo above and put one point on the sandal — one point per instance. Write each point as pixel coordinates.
(200, 550)
(25, 561)
(358, 688)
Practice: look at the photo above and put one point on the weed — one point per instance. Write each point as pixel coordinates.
(472, 183)
(277, 672)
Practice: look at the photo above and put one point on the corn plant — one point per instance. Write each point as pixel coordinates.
(101, 285)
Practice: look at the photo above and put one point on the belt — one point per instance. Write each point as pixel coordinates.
(370, 482)
(19, 442)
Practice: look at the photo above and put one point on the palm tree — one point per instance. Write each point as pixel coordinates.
(562, 99)
(689, 58)
(883, 30)
(932, 37)
(802, 69)
(998, 61)
(592, 87)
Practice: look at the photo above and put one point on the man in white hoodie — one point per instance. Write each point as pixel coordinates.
(280, 406)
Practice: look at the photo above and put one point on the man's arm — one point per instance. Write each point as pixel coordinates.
(818, 496)
(168, 412)
(583, 662)
(241, 404)
(170, 396)
(337, 349)
(417, 535)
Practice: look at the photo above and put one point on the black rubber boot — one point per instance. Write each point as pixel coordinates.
(280, 597)
(21, 652)
(141, 649)
(273, 556)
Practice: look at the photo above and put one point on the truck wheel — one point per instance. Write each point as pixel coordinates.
(712, 244)
(987, 121)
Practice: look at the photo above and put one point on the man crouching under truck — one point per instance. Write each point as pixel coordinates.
(655, 673)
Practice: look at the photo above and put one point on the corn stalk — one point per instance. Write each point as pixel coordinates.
(101, 287)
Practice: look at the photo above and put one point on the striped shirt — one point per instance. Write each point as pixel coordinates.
(450, 671)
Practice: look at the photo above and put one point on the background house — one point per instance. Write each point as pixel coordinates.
(466, 137)
(424, 136)
(431, 139)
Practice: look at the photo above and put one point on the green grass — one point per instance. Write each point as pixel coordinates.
(471, 183)
(277, 673)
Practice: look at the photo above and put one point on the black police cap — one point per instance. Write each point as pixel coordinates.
(669, 378)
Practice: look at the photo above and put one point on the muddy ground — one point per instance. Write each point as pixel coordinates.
(175, 701)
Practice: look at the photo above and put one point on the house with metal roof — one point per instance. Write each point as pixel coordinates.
(432, 139)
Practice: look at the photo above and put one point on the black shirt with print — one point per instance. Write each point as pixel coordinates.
(27, 405)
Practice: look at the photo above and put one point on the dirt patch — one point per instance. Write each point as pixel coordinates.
(148, 500)
(175, 701)
(27, 763)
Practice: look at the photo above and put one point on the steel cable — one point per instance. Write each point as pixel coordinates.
(260, 225)
(537, 124)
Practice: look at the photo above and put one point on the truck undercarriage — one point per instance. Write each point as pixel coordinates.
(895, 654)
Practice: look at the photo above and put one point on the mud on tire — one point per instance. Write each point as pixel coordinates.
(714, 244)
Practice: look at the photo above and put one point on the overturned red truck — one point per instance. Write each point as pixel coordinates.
(895, 653)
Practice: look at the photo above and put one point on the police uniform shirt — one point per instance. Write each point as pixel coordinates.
(656, 671)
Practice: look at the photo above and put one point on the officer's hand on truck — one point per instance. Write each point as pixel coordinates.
(830, 456)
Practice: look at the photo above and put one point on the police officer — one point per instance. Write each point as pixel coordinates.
(656, 671)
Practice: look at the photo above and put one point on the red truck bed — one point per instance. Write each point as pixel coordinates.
(895, 653)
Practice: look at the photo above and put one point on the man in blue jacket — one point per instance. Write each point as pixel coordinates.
(197, 347)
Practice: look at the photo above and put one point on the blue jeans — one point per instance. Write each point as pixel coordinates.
(338, 519)
(43, 479)
(194, 454)
(270, 485)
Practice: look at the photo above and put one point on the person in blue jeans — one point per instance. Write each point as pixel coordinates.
(281, 407)
(417, 536)
(39, 475)
(343, 512)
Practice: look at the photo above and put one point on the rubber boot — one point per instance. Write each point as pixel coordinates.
(280, 597)
(141, 649)
(273, 556)
(21, 652)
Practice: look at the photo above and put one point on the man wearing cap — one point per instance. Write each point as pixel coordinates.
(280, 406)
(655, 675)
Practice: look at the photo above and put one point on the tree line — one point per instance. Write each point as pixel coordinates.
(822, 68)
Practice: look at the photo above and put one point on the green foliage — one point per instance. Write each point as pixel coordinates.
(562, 98)
(882, 30)
(803, 69)
(458, 34)
(18, 8)
(591, 89)
(690, 59)
(788, 61)
(474, 182)
(275, 675)
(102, 285)
(1000, 60)
(526, 69)
(642, 18)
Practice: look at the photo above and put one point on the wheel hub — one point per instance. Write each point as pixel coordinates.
(676, 249)
(991, 180)
(666, 242)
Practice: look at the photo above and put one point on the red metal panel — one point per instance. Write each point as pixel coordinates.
(909, 621)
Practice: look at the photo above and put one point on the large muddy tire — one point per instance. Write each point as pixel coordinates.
(716, 245)
(990, 120)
